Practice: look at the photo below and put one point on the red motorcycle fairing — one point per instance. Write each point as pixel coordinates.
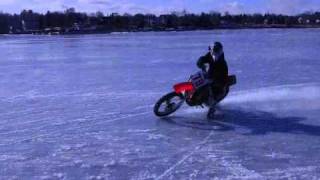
(183, 87)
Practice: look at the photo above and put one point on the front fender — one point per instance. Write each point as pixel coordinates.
(183, 87)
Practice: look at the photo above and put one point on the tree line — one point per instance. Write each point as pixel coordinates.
(71, 21)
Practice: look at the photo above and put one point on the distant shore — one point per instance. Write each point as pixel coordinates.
(93, 31)
(73, 22)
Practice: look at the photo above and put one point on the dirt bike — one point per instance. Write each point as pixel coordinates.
(195, 92)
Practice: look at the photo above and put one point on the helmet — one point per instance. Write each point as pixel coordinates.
(217, 47)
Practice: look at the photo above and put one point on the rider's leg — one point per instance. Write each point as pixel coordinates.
(211, 98)
(212, 103)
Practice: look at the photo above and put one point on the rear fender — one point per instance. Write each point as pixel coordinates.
(232, 80)
(183, 87)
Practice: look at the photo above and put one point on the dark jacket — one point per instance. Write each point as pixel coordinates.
(218, 70)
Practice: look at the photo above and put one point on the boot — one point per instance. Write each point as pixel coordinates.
(211, 112)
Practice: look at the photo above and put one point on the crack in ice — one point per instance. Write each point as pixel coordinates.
(199, 146)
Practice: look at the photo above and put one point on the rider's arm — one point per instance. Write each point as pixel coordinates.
(202, 61)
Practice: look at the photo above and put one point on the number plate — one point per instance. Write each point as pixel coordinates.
(198, 80)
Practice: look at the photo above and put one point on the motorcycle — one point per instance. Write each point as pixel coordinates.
(197, 91)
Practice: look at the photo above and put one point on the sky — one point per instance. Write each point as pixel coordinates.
(289, 7)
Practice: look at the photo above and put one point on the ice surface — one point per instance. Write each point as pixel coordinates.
(80, 107)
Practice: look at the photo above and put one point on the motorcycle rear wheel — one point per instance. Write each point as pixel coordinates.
(168, 104)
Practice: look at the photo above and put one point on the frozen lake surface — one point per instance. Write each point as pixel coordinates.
(80, 107)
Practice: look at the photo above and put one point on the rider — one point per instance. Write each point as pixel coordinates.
(217, 72)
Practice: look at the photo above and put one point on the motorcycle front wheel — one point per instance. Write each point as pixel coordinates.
(168, 104)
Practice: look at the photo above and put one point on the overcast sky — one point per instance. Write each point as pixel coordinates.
(164, 6)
